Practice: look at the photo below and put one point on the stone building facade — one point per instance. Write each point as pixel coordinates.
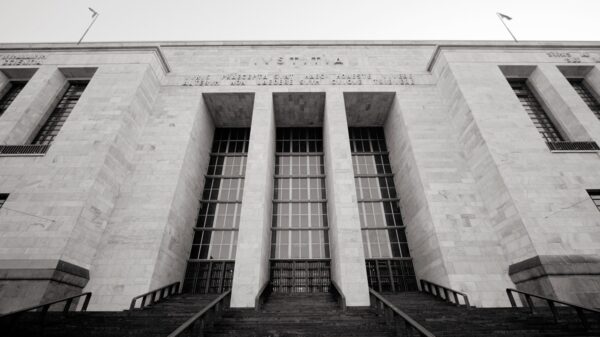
(106, 152)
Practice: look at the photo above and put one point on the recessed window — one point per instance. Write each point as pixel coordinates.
(388, 261)
(59, 115)
(211, 263)
(3, 197)
(536, 112)
(586, 95)
(13, 91)
(595, 195)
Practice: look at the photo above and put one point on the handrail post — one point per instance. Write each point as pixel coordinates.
(511, 298)
(68, 305)
(86, 301)
(530, 304)
(467, 304)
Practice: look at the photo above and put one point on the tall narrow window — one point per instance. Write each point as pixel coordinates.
(586, 95)
(3, 197)
(595, 195)
(535, 111)
(300, 241)
(13, 91)
(388, 261)
(57, 118)
(212, 259)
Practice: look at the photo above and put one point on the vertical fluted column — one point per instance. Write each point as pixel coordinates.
(252, 256)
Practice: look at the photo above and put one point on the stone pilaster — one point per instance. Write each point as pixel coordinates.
(347, 255)
(252, 257)
(22, 119)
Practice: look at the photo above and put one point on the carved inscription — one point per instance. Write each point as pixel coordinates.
(236, 79)
(300, 60)
(572, 57)
(22, 60)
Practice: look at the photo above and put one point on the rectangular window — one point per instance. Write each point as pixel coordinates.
(536, 112)
(13, 91)
(300, 237)
(3, 197)
(59, 115)
(595, 195)
(388, 261)
(211, 263)
(586, 95)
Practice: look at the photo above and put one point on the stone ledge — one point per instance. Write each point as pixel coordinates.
(554, 265)
(50, 270)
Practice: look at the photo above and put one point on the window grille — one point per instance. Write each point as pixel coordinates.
(14, 89)
(595, 195)
(534, 109)
(3, 197)
(586, 95)
(299, 240)
(211, 263)
(388, 261)
(59, 115)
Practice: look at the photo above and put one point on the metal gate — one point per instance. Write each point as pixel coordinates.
(208, 277)
(391, 275)
(300, 276)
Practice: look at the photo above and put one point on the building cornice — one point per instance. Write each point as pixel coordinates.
(34, 47)
(513, 46)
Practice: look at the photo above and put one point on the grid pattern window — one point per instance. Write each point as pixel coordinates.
(61, 112)
(536, 112)
(3, 197)
(389, 265)
(14, 88)
(586, 95)
(595, 195)
(299, 240)
(211, 262)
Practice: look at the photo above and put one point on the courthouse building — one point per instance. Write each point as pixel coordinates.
(234, 165)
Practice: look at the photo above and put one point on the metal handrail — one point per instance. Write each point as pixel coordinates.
(391, 312)
(46, 306)
(163, 292)
(434, 289)
(258, 300)
(340, 295)
(551, 303)
(213, 308)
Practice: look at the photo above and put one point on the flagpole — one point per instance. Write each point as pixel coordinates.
(95, 17)
(504, 23)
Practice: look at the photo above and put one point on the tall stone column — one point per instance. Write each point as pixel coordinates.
(347, 255)
(252, 256)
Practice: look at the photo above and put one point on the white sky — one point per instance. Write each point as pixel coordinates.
(156, 20)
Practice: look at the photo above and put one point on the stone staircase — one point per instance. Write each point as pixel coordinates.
(153, 321)
(444, 319)
(306, 315)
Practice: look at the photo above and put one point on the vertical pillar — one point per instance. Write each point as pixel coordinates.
(3, 82)
(347, 255)
(252, 256)
(38, 97)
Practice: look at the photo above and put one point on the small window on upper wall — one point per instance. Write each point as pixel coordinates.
(586, 95)
(59, 115)
(3, 197)
(536, 112)
(13, 90)
(595, 195)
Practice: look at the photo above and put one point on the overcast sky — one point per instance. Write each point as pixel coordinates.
(154, 20)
